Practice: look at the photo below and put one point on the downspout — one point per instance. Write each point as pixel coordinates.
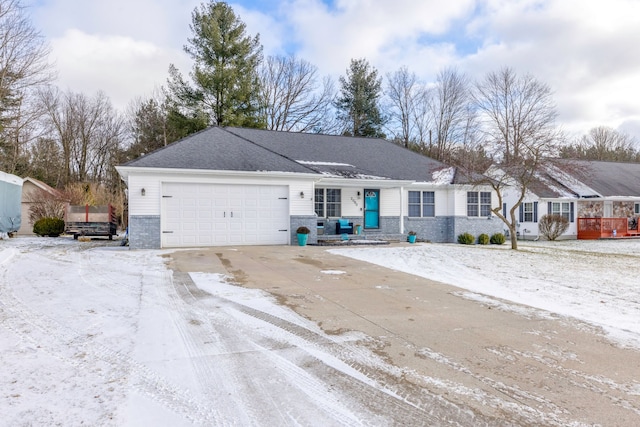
(401, 222)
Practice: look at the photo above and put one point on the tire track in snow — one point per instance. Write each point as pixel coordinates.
(370, 385)
(83, 353)
(240, 348)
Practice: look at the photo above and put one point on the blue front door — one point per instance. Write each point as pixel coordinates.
(371, 208)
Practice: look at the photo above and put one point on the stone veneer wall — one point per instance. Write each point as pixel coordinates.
(476, 226)
(436, 230)
(144, 232)
(623, 209)
(309, 221)
(590, 209)
(595, 209)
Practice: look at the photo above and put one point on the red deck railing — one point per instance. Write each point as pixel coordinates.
(598, 228)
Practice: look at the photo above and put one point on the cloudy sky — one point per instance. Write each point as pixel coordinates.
(585, 50)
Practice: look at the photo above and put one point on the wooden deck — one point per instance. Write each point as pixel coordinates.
(607, 228)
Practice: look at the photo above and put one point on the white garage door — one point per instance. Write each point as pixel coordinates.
(220, 215)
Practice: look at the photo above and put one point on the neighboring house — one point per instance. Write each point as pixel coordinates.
(233, 186)
(596, 197)
(33, 192)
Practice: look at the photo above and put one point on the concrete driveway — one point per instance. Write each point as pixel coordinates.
(448, 360)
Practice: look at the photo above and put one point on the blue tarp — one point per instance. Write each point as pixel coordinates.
(10, 202)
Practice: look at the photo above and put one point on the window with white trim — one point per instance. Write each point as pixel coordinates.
(561, 208)
(422, 204)
(637, 208)
(527, 209)
(478, 203)
(327, 202)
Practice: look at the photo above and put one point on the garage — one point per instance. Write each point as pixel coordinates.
(197, 214)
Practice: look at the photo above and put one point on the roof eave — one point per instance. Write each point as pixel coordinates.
(125, 171)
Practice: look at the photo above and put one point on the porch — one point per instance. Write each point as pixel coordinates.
(607, 228)
(360, 239)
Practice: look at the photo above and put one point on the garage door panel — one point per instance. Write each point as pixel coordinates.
(218, 215)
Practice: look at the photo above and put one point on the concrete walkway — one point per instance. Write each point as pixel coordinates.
(496, 365)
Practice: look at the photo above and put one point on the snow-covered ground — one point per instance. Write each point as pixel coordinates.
(597, 281)
(95, 334)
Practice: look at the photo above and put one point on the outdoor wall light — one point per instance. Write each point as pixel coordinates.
(143, 192)
(302, 194)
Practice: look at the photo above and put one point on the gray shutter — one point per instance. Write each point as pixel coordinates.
(535, 211)
(571, 215)
(521, 213)
(504, 210)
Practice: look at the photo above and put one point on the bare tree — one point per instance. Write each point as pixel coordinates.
(518, 115)
(453, 118)
(23, 67)
(605, 144)
(292, 98)
(88, 131)
(404, 94)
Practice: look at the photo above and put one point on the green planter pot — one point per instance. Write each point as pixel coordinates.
(412, 239)
(302, 239)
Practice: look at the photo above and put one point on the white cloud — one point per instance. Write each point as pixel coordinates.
(120, 66)
(584, 50)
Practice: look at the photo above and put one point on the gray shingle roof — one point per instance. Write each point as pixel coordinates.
(240, 149)
(609, 179)
(216, 149)
(587, 178)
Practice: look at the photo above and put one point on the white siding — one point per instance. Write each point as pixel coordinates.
(352, 204)
(149, 204)
(390, 201)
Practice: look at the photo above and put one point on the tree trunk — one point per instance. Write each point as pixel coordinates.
(514, 236)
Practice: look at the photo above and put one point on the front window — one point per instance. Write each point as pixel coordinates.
(327, 202)
(561, 208)
(637, 208)
(528, 211)
(478, 203)
(472, 203)
(422, 204)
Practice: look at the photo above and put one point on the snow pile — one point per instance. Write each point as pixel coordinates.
(595, 281)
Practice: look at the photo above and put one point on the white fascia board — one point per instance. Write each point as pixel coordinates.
(360, 183)
(418, 185)
(125, 171)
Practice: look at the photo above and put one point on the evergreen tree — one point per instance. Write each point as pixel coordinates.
(156, 122)
(225, 73)
(358, 102)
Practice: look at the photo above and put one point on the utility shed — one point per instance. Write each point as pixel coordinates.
(10, 202)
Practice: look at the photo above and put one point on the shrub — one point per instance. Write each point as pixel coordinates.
(303, 230)
(466, 239)
(497, 239)
(49, 227)
(483, 239)
(552, 226)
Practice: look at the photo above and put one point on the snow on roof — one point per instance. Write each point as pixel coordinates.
(574, 185)
(307, 162)
(346, 174)
(444, 176)
(12, 179)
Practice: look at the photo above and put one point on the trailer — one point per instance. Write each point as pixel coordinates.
(90, 221)
(10, 203)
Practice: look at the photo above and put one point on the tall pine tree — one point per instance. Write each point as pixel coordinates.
(225, 73)
(358, 102)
